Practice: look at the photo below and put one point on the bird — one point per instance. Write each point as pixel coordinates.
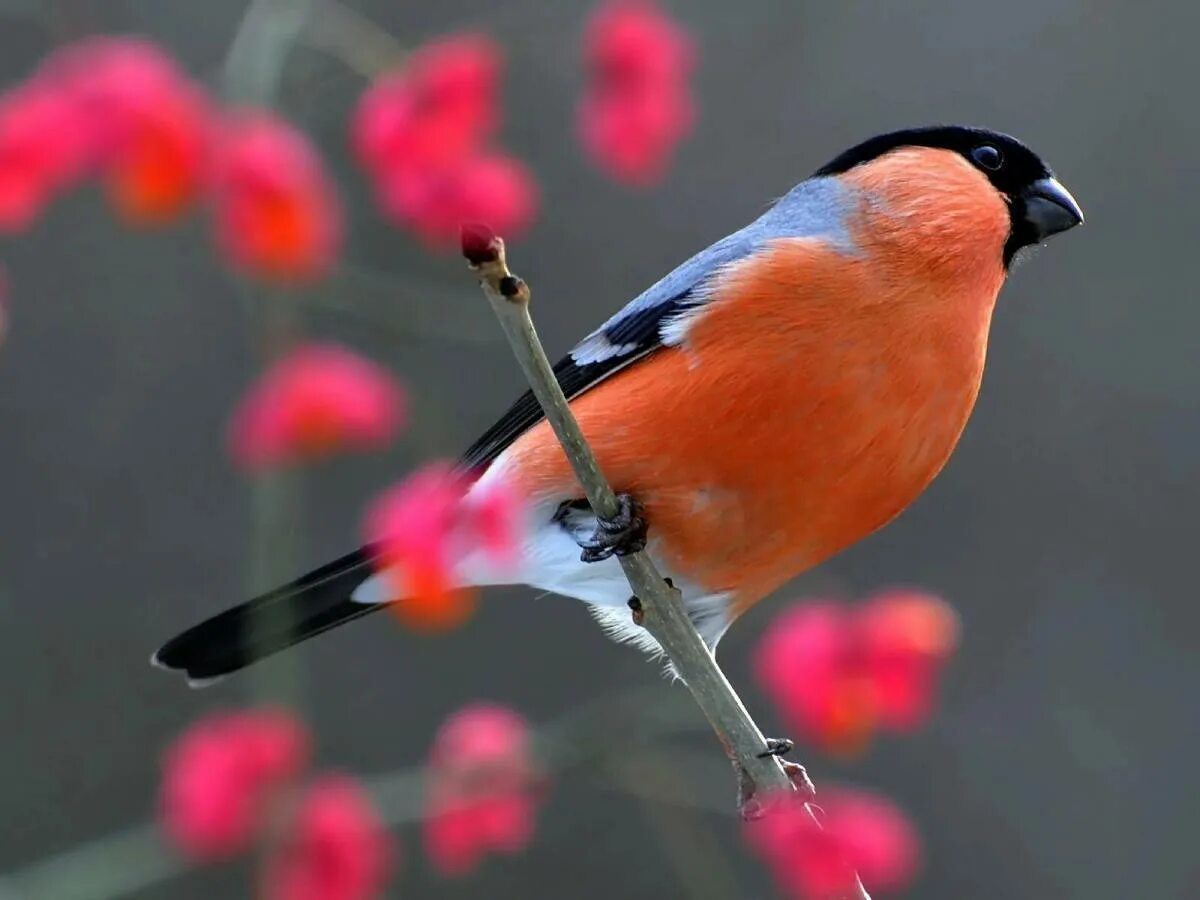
(778, 397)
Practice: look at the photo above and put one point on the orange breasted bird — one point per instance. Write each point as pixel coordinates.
(776, 398)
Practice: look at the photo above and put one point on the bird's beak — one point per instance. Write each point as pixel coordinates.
(1050, 208)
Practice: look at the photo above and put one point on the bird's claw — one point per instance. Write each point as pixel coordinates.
(623, 534)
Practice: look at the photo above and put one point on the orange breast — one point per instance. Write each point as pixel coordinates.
(812, 402)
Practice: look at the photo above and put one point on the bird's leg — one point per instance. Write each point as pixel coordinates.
(621, 535)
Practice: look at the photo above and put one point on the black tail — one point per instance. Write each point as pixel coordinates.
(288, 615)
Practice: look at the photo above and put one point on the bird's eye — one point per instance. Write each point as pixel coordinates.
(987, 157)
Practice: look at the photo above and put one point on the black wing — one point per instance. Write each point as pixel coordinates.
(640, 328)
(625, 340)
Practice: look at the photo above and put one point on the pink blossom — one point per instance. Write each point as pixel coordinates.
(218, 776)
(276, 211)
(336, 848)
(150, 126)
(318, 399)
(483, 794)
(858, 833)
(839, 673)
(424, 132)
(433, 111)
(637, 105)
(426, 526)
(44, 146)
(436, 202)
(908, 637)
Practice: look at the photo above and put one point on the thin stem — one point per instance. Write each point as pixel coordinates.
(112, 866)
(260, 47)
(254, 65)
(349, 36)
(699, 860)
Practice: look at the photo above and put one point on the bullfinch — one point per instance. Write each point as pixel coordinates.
(776, 398)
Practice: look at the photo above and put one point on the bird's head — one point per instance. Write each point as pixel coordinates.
(909, 162)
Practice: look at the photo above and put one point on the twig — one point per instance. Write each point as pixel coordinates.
(255, 60)
(662, 610)
(254, 65)
(347, 35)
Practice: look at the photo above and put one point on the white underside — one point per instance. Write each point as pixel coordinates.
(549, 561)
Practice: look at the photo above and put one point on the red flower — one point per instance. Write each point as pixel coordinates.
(422, 133)
(908, 637)
(427, 527)
(151, 127)
(44, 145)
(497, 521)
(858, 832)
(217, 778)
(492, 188)
(432, 112)
(838, 674)
(277, 214)
(483, 788)
(336, 848)
(318, 399)
(637, 105)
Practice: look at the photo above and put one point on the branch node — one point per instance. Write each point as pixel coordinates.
(639, 614)
(511, 287)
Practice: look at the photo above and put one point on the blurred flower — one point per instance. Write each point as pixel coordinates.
(412, 525)
(423, 135)
(218, 775)
(44, 145)
(637, 105)
(150, 126)
(426, 527)
(435, 203)
(433, 111)
(335, 849)
(318, 399)
(858, 832)
(839, 673)
(277, 214)
(908, 637)
(496, 517)
(483, 792)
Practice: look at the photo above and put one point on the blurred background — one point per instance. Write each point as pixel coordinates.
(1062, 759)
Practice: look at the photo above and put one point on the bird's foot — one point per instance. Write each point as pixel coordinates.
(621, 535)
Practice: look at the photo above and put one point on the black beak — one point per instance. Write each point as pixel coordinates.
(1049, 209)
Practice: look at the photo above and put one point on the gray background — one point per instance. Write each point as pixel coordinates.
(1062, 762)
